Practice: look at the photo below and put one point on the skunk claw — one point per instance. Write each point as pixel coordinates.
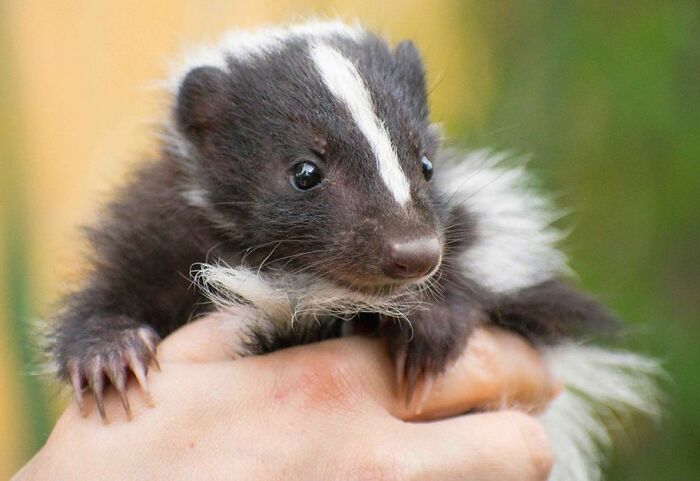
(131, 350)
(95, 380)
(413, 372)
(400, 370)
(150, 340)
(117, 375)
(140, 371)
(426, 390)
(76, 381)
(417, 364)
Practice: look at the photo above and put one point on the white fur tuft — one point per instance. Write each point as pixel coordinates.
(603, 392)
(284, 298)
(228, 286)
(249, 44)
(196, 197)
(516, 243)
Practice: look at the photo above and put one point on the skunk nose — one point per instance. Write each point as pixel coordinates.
(411, 259)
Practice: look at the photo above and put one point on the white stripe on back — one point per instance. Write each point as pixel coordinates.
(344, 82)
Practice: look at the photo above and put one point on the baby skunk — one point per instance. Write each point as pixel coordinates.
(302, 161)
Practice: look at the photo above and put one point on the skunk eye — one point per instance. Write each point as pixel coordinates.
(306, 175)
(427, 167)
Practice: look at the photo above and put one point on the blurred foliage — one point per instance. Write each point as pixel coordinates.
(23, 389)
(604, 95)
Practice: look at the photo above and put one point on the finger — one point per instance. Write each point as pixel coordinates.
(95, 380)
(498, 369)
(117, 375)
(498, 446)
(139, 370)
(76, 380)
(208, 339)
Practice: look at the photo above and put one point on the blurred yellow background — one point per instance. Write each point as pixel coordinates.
(82, 83)
(78, 106)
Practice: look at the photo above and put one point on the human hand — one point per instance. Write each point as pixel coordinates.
(323, 411)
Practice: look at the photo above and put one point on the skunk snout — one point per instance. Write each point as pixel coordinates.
(411, 259)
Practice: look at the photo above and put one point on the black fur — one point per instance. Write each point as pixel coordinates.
(262, 339)
(230, 197)
(551, 311)
(142, 252)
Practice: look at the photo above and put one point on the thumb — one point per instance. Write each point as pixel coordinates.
(497, 446)
(497, 369)
(205, 340)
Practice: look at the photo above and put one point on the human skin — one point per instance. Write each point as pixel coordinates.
(327, 411)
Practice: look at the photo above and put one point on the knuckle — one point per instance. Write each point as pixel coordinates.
(328, 382)
(373, 472)
(538, 454)
(375, 467)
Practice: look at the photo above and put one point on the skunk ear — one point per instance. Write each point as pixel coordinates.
(201, 101)
(409, 65)
(407, 54)
(553, 311)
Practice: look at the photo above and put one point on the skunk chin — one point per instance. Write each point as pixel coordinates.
(382, 288)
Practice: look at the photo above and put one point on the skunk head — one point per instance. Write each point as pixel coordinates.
(311, 146)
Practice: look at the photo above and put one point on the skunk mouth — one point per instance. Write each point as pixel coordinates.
(378, 290)
(383, 287)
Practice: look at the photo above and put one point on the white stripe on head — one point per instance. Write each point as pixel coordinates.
(345, 83)
(247, 45)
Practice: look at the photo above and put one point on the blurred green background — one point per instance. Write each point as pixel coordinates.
(604, 95)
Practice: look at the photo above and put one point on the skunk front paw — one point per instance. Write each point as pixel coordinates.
(424, 347)
(108, 357)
